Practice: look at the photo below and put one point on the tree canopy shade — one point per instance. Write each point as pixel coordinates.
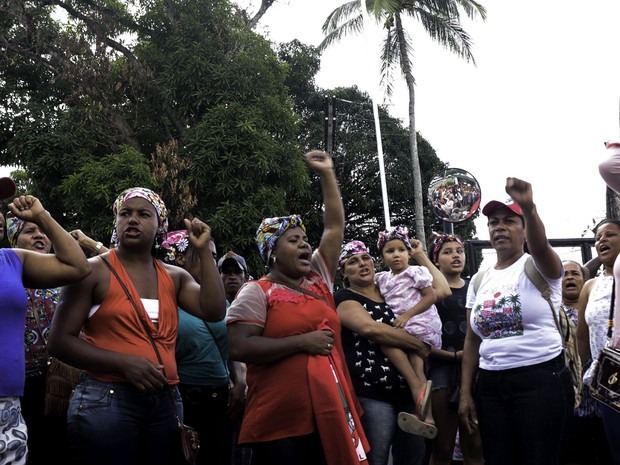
(113, 94)
(180, 96)
(439, 18)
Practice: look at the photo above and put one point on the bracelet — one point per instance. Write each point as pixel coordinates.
(97, 248)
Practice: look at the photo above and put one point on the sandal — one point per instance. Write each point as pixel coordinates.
(422, 403)
(411, 424)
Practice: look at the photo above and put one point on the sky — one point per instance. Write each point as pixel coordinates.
(539, 103)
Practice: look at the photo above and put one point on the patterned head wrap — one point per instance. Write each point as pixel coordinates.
(270, 231)
(398, 232)
(155, 200)
(350, 249)
(14, 227)
(176, 242)
(440, 240)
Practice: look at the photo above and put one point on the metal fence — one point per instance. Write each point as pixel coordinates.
(473, 246)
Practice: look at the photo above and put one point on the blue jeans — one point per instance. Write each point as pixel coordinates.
(115, 423)
(523, 413)
(382, 432)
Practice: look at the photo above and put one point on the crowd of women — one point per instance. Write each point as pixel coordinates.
(404, 365)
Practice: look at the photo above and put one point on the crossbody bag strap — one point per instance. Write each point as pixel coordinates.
(136, 308)
(543, 287)
(147, 330)
(610, 323)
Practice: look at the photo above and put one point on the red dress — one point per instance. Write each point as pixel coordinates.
(295, 395)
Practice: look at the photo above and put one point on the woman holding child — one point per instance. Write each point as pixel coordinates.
(367, 325)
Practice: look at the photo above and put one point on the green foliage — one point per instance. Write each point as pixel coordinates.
(94, 187)
(356, 158)
(88, 103)
(182, 97)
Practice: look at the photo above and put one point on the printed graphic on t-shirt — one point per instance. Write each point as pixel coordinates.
(500, 315)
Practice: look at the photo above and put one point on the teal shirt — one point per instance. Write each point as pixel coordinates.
(199, 351)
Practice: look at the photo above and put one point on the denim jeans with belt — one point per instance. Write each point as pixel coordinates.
(115, 423)
(523, 412)
(380, 425)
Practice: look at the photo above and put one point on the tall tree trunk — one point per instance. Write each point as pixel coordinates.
(418, 197)
(264, 6)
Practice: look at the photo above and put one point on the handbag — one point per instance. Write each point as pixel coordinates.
(60, 381)
(605, 385)
(190, 441)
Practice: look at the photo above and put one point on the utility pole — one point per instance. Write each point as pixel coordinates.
(375, 111)
(330, 123)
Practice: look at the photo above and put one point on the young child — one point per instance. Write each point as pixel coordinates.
(408, 291)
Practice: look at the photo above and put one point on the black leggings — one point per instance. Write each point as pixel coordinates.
(299, 450)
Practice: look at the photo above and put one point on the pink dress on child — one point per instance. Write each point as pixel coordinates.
(402, 291)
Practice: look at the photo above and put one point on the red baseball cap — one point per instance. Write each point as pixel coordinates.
(509, 204)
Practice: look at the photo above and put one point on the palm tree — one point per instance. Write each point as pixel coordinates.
(440, 19)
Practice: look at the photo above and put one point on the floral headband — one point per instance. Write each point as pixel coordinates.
(270, 231)
(350, 249)
(440, 240)
(398, 232)
(176, 242)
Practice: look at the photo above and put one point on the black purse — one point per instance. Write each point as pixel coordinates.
(190, 441)
(605, 385)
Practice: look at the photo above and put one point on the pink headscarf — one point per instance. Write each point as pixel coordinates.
(350, 249)
(398, 232)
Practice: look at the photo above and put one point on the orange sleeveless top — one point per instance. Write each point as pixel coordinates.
(115, 325)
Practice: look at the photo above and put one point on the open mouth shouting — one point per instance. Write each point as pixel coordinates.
(40, 246)
(304, 258)
(132, 232)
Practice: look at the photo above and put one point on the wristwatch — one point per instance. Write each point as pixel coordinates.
(97, 248)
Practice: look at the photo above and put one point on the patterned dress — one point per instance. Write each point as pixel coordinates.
(597, 317)
(402, 291)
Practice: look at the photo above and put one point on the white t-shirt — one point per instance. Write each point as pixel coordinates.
(512, 318)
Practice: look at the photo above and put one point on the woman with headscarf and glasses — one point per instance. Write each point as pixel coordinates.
(123, 412)
(300, 408)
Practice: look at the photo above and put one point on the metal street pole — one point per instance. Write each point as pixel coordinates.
(375, 112)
